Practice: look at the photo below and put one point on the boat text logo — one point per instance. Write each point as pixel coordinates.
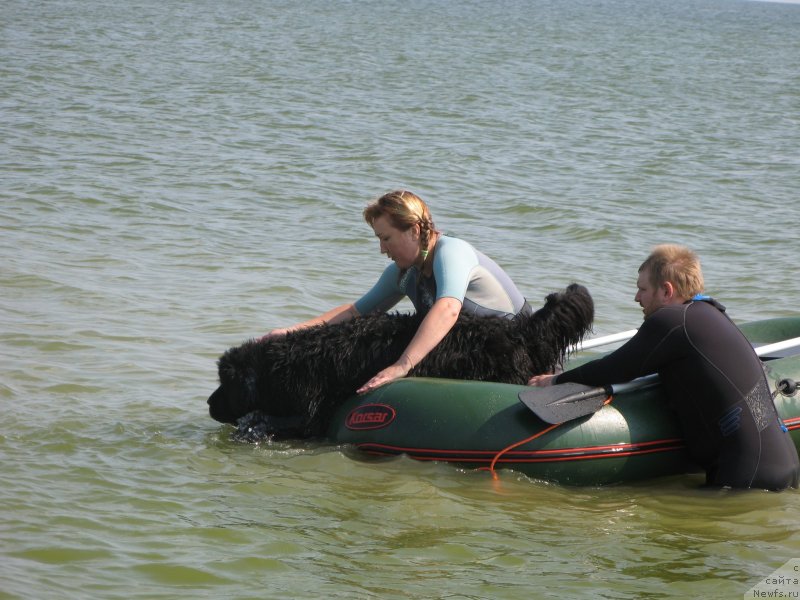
(370, 416)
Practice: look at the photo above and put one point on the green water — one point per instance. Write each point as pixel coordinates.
(178, 176)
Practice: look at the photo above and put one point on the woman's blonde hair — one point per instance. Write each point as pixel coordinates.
(404, 209)
(677, 264)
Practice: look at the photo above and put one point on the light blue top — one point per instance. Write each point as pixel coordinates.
(460, 272)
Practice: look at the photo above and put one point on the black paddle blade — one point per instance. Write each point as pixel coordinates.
(564, 401)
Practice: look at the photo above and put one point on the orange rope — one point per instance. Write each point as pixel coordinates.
(514, 445)
(497, 456)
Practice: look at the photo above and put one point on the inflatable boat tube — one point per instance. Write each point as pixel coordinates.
(483, 425)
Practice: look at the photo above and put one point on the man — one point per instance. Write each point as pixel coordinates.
(714, 379)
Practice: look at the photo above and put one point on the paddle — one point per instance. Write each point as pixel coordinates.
(568, 401)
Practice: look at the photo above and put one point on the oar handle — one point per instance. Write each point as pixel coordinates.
(635, 384)
(777, 346)
(606, 339)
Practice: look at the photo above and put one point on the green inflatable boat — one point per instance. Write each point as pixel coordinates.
(484, 425)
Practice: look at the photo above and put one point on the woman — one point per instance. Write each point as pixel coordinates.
(441, 275)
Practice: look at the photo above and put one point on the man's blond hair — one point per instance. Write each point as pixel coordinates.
(675, 264)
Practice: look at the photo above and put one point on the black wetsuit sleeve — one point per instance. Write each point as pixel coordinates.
(642, 355)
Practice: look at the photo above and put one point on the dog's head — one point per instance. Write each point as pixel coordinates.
(228, 403)
(237, 394)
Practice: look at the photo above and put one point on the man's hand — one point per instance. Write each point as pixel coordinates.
(542, 380)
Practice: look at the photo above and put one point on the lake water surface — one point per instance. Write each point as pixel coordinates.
(179, 176)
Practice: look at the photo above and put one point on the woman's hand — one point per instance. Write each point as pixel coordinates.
(274, 333)
(542, 380)
(342, 313)
(389, 374)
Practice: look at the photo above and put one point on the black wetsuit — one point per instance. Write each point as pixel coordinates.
(717, 385)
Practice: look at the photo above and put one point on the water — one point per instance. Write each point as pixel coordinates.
(180, 176)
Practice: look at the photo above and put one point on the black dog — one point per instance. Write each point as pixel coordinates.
(298, 381)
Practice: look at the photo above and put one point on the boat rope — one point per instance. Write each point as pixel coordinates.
(497, 456)
(514, 445)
